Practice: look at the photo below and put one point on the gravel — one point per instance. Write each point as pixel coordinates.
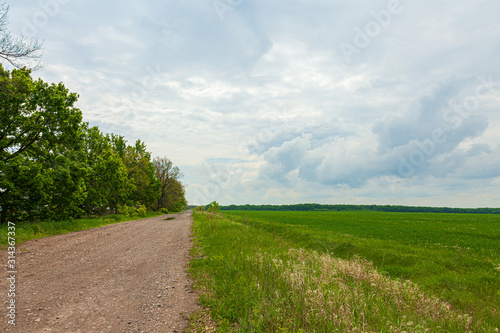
(126, 277)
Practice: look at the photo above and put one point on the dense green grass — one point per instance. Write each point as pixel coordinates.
(454, 257)
(480, 233)
(28, 231)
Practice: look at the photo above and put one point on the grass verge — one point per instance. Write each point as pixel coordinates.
(26, 231)
(257, 279)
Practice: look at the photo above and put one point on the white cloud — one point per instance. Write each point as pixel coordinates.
(263, 106)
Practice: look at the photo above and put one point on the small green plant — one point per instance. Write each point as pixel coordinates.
(131, 211)
(36, 229)
(142, 210)
(121, 210)
(164, 211)
(214, 207)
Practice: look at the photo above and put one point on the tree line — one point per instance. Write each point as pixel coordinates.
(379, 208)
(55, 166)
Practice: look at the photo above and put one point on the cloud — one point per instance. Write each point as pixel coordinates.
(257, 102)
(440, 109)
(280, 161)
(422, 141)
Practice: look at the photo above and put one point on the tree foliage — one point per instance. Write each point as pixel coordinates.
(106, 181)
(39, 131)
(141, 173)
(54, 166)
(171, 189)
(35, 116)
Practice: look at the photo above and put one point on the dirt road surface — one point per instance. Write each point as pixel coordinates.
(127, 277)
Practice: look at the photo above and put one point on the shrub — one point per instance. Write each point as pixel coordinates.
(214, 207)
(131, 211)
(121, 210)
(142, 210)
(164, 211)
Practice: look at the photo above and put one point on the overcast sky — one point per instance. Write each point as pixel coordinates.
(288, 101)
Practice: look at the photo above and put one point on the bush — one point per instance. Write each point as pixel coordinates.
(164, 211)
(121, 210)
(142, 210)
(131, 211)
(214, 207)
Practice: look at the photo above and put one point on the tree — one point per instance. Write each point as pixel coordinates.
(17, 51)
(171, 189)
(54, 166)
(141, 172)
(181, 204)
(107, 184)
(67, 190)
(38, 122)
(24, 188)
(35, 116)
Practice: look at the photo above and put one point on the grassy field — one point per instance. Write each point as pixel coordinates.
(349, 271)
(28, 231)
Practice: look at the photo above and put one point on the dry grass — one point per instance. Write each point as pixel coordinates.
(353, 296)
(201, 322)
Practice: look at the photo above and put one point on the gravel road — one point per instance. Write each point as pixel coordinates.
(126, 277)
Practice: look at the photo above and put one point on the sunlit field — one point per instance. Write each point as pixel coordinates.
(349, 271)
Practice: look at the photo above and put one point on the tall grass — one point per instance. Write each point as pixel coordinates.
(26, 231)
(258, 280)
(453, 256)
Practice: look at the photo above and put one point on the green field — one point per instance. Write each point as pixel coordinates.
(452, 258)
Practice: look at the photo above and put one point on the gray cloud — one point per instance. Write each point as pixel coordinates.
(265, 96)
(423, 141)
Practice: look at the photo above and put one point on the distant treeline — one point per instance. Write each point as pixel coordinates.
(378, 208)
